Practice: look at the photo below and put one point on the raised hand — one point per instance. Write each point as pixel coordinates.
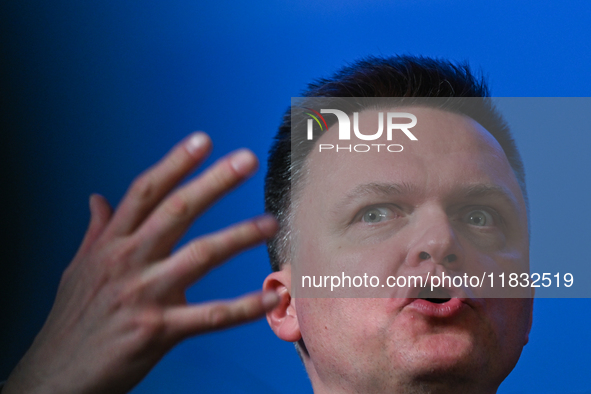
(120, 304)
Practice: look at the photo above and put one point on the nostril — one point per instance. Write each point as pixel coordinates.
(451, 258)
(424, 256)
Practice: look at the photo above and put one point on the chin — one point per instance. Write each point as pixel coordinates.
(446, 353)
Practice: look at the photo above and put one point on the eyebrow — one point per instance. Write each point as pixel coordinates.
(467, 192)
(379, 190)
(486, 190)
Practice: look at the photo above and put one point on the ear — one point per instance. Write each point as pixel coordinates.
(283, 318)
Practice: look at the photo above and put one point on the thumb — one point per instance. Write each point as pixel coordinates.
(100, 214)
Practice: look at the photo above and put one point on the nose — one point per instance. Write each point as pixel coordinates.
(435, 240)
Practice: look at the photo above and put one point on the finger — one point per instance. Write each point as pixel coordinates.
(153, 185)
(186, 321)
(172, 218)
(100, 214)
(198, 257)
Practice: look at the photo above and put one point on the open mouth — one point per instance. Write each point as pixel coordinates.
(436, 296)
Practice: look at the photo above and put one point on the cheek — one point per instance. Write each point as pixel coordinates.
(381, 258)
(337, 329)
(491, 273)
(321, 322)
(509, 326)
(486, 240)
(318, 256)
(511, 317)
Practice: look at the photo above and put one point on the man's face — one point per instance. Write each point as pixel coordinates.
(448, 203)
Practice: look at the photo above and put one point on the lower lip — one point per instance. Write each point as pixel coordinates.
(447, 309)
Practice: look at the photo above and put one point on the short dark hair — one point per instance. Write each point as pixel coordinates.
(405, 77)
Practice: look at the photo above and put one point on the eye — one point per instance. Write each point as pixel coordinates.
(479, 218)
(376, 215)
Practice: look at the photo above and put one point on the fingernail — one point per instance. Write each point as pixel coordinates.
(196, 142)
(243, 161)
(267, 224)
(91, 201)
(269, 299)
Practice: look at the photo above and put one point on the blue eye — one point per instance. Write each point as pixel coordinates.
(479, 218)
(376, 215)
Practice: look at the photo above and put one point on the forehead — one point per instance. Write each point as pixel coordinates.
(452, 152)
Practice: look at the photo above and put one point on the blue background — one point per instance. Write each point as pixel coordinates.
(94, 93)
